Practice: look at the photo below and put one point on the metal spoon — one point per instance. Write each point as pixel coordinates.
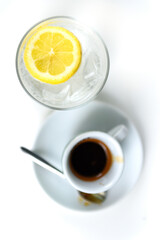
(94, 198)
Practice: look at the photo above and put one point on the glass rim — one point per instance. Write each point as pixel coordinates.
(86, 26)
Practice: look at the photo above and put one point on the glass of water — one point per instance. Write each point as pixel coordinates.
(84, 85)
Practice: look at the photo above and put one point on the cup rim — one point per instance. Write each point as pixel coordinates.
(79, 136)
(70, 177)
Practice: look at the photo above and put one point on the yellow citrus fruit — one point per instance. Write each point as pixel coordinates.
(52, 54)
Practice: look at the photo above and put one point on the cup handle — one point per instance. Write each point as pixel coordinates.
(119, 132)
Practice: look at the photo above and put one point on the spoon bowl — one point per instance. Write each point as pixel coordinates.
(97, 198)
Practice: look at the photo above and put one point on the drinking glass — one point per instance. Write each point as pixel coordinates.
(84, 85)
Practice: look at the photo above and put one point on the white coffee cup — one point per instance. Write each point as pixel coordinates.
(111, 140)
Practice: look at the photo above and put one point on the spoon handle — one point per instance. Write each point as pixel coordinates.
(42, 162)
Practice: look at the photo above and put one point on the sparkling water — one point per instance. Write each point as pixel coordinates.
(84, 85)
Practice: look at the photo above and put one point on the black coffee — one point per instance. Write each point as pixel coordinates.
(90, 159)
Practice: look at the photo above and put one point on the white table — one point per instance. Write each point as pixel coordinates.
(130, 30)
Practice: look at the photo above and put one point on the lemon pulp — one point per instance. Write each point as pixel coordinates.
(52, 55)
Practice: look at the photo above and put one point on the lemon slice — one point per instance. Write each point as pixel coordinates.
(52, 54)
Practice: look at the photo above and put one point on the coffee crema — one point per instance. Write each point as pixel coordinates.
(90, 159)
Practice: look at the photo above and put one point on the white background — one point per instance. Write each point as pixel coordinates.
(130, 29)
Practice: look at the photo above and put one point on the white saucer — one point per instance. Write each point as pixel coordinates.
(61, 127)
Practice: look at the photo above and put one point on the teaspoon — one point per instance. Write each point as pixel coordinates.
(94, 198)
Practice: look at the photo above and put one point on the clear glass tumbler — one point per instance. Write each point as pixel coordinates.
(84, 85)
